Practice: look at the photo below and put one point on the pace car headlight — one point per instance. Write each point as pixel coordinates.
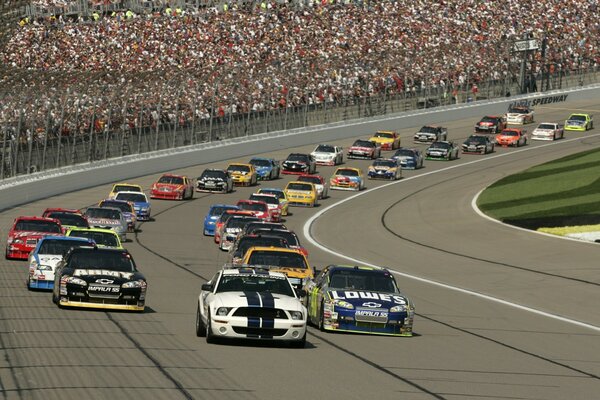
(343, 304)
(134, 284)
(223, 311)
(74, 281)
(400, 308)
(297, 315)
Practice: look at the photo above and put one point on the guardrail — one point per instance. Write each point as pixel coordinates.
(24, 189)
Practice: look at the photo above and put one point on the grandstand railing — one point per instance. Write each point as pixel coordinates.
(62, 137)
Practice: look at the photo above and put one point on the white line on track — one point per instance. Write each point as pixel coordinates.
(308, 225)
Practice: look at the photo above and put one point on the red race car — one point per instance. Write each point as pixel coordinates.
(491, 124)
(172, 187)
(68, 217)
(260, 209)
(26, 232)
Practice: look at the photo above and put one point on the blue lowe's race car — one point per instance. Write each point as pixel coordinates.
(359, 299)
(214, 212)
(266, 168)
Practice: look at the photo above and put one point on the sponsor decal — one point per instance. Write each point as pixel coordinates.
(351, 294)
(104, 281)
(371, 304)
(371, 313)
(105, 272)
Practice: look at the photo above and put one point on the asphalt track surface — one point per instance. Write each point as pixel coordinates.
(501, 313)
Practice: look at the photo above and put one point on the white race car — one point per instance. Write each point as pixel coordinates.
(327, 154)
(242, 302)
(519, 115)
(548, 131)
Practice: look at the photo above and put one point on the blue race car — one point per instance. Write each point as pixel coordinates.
(266, 168)
(214, 212)
(409, 158)
(359, 299)
(141, 205)
(48, 252)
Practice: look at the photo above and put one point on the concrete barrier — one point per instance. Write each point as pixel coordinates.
(24, 189)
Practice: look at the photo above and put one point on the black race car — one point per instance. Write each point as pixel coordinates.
(214, 180)
(491, 124)
(299, 163)
(99, 278)
(478, 144)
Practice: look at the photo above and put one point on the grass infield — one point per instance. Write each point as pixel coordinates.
(560, 193)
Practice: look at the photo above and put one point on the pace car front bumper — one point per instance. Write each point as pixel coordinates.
(255, 328)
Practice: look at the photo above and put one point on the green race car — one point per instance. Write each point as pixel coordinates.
(579, 122)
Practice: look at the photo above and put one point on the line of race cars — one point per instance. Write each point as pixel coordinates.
(267, 289)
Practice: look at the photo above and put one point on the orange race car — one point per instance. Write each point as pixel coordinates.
(512, 137)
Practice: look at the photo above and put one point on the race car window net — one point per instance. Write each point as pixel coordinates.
(362, 280)
(38, 226)
(255, 283)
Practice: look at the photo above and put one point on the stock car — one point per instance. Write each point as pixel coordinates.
(214, 180)
(232, 230)
(491, 124)
(25, 233)
(299, 163)
(124, 187)
(320, 184)
(281, 196)
(444, 150)
(359, 299)
(347, 178)
(272, 202)
(548, 131)
(49, 251)
(430, 134)
(579, 122)
(301, 194)
(68, 218)
(388, 140)
(141, 205)
(101, 237)
(250, 303)
(512, 137)
(328, 154)
(364, 149)
(291, 262)
(266, 168)
(409, 158)
(213, 214)
(172, 187)
(126, 209)
(99, 278)
(479, 144)
(222, 220)
(289, 236)
(385, 168)
(243, 174)
(519, 114)
(244, 242)
(107, 218)
(260, 209)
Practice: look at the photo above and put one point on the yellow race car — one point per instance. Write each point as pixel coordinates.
(243, 174)
(301, 193)
(388, 140)
(579, 122)
(102, 237)
(124, 187)
(291, 262)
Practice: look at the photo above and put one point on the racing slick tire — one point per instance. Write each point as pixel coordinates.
(200, 326)
(210, 337)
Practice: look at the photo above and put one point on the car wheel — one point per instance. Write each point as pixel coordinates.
(210, 337)
(200, 327)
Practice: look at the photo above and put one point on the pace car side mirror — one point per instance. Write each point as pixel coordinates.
(207, 287)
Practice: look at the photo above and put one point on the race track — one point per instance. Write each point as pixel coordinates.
(501, 313)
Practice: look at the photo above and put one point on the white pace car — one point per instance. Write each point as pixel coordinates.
(242, 302)
(548, 131)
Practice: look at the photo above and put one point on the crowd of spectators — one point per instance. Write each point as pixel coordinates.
(243, 57)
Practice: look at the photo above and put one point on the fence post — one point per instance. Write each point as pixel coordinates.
(60, 129)
(43, 166)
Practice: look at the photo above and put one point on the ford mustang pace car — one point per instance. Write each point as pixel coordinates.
(445, 150)
(232, 230)
(266, 168)
(364, 149)
(288, 261)
(101, 237)
(515, 137)
(359, 299)
(319, 182)
(347, 178)
(107, 218)
(172, 187)
(409, 158)
(243, 174)
(213, 214)
(548, 131)
(385, 168)
(388, 140)
(579, 122)
(280, 194)
(519, 114)
(68, 219)
(328, 154)
(260, 209)
(272, 203)
(250, 303)
(124, 187)
(126, 209)
(99, 278)
(141, 205)
(301, 194)
(25, 233)
(430, 134)
(214, 180)
(490, 124)
(299, 163)
(479, 144)
(43, 260)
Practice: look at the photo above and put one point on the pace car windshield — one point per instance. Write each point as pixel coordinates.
(255, 283)
(171, 180)
(37, 226)
(277, 258)
(356, 279)
(102, 259)
(325, 148)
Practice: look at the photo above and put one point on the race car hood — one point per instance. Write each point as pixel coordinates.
(381, 140)
(248, 299)
(138, 205)
(211, 179)
(485, 123)
(368, 299)
(343, 178)
(322, 155)
(168, 187)
(263, 170)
